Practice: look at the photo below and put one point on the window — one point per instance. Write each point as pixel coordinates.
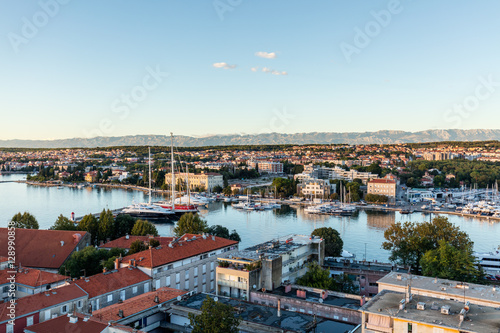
(10, 328)
(79, 304)
(177, 277)
(146, 287)
(212, 265)
(195, 271)
(195, 282)
(110, 298)
(212, 275)
(171, 266)
(204, 268)
(64, 309)
(122, 295)
(410, 328)
(134, 290)
(29, 321)
(157, 284)
(186, 285)
(168, 281)
(178, 286)
(186, 276)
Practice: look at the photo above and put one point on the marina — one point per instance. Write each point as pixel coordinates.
(365, 227)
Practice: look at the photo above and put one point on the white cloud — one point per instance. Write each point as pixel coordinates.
(224, 65)
(267, 55)
(273, 71)
(254, 69)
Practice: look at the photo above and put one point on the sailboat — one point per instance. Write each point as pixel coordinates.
(176, 208)
(147, 210)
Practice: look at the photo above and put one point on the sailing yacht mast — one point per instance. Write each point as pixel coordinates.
(172, 170)
(149, 160)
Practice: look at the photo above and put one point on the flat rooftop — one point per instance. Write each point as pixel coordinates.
(365, 266)
(266, 315)
(344, 302)
(443, 286)
(277, 246)
(478, 319)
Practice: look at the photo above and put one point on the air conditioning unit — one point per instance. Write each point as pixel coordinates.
(420, 306)
(445, 309)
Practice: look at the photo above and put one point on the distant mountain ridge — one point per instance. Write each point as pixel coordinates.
(379, 137)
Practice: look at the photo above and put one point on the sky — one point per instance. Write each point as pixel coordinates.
(72, 68)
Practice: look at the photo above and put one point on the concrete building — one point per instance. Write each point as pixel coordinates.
(188, 263)
(392, 311)
(145, 312)
(205, 180)
(315, 188)
(266, 166)
(267, 265)
(113, 286)
(258, 318)
(441, 288)
(28, 281)
(387, 187)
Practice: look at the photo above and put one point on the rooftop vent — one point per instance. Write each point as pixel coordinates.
(421, 306)
(62, 243)
(127, 236)
(157, 299)
(399, 277)
(402, 304)
(120, 313)
(443, 288)
(86, 319)
(445, 309)
(73, 319)
(462, 286)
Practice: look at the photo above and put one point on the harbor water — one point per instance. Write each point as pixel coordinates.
(362, 233)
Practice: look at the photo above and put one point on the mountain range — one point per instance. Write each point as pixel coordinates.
(378, 137)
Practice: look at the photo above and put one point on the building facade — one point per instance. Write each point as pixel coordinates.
(207, 180)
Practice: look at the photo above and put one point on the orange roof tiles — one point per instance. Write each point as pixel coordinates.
(41, 248)
(125, 243)
(38, 302)
(62, 324)
(104, 283)
(187, 246)
(137, 304)
(31, 277)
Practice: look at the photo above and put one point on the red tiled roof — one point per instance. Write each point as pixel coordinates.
(186, 247)
(3, 259)
(41, 248)
(137, 304)
(125, 243)
(37, 302)
(31, 277)
(62, 324)
(382, 181)
(104, 283)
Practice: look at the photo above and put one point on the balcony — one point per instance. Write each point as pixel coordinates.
(233, 284)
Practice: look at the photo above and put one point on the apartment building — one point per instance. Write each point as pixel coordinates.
(28, 281)
(187, 263)
(111, 287)
(44, 249)
(266, 166)
(41, 307)
(315, 188)
(387, 187)
(206, 180)
(267, 265)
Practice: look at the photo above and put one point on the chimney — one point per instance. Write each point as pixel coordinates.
(408, 295)
(120, 313)
(62, 243)
(117, 263)
(104, 270)
(213, 238)
(73, 319)
(279, 307)
(157, 299)
(399, 277)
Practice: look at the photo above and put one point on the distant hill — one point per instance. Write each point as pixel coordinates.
(379, 137)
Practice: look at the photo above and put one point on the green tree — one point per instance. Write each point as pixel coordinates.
(25, 221)
(316, 277)
(409, 241)
(448, 262)
(106, 225)
(63, 223)
(215, 317)
(123, 225)
(144, 228)
(137, 246)
(89, 261)
(90, 224)
(344, 284)
(154, 242)
(333, 242)
(217, 189)
(190, 223)
(227, 191)
(223, 232)
(376, 198)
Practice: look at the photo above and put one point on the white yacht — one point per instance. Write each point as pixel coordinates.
(489, 261)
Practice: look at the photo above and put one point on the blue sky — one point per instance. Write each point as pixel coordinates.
(87, 68)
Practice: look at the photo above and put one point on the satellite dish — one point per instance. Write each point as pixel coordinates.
(179, 298)
(216, 298)
(321, 300)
